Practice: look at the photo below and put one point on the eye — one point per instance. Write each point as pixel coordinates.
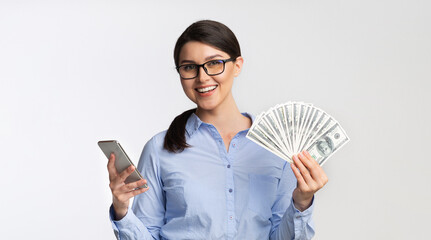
(214, 63)
(189, 67)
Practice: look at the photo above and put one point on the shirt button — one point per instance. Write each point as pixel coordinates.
(230, 217)
(230, 190)
(228, 166)
(234, 145)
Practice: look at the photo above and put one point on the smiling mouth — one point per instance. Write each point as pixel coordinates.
(206, 89)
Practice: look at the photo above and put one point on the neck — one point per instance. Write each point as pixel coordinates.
(226, 117)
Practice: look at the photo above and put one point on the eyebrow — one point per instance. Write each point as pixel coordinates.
(206, 59)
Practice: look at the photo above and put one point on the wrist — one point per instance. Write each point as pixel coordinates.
(119, 213)
(303, 205)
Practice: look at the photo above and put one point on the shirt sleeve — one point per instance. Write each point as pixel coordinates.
(287, 221)
(129, 227)
(146, 216)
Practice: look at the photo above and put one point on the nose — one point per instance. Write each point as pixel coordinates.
(202, 74)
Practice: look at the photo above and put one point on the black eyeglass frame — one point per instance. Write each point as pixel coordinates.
(205, 69)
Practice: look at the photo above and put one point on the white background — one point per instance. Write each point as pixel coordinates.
(75, 72)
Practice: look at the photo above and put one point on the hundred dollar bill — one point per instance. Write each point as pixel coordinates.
(317, 125)
(305, 112)
(268, 146)
(265, 135)
(281, 113)
(269, 121)
(296, 110)
(300, 113)
(277, 112)
(289, 119)
(329, 124)
(312, 115)
(328, 144)
(321, 127)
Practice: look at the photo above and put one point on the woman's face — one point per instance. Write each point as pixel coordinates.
(208, 92)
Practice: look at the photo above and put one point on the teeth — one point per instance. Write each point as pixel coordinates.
(207, 89)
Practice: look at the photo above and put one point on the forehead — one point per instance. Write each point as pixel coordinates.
(197, 51)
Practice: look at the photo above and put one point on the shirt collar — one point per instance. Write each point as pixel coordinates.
(193, 123)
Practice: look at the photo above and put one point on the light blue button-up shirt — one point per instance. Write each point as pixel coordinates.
(206, 192)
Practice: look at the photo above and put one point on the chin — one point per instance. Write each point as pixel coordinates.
(205, 104)
(206, 107)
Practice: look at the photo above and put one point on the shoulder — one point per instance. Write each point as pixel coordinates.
(152, 149)
(156, 142)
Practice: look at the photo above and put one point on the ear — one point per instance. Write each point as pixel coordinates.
(238, 65)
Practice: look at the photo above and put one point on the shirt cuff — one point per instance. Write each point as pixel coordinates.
(125, 223)
(306, 212)
(302, 221)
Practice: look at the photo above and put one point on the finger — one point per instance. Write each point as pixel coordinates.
(131, 186)
(111, 167)
(305, 160)
(299, 178)
(139, 191)
(307, 154)
(303, 170)
(124, 174)
(317, 170)
(314, 168)
(135, 192)
(122, 191)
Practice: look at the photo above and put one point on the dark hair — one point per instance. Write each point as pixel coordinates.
(212, 33)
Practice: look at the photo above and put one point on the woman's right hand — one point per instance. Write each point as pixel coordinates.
(122, 192)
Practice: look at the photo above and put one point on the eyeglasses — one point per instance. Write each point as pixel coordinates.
(212, 68)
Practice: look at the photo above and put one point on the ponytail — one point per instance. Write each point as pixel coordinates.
(175, 138)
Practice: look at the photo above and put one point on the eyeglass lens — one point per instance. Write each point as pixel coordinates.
(211, 68)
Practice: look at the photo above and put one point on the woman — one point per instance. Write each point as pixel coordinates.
(206, 179)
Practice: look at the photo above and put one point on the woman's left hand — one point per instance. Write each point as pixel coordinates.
(310, 178)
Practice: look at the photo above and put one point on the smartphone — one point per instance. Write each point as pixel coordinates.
(122, 161)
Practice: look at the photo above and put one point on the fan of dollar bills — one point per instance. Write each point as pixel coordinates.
(289, 128)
